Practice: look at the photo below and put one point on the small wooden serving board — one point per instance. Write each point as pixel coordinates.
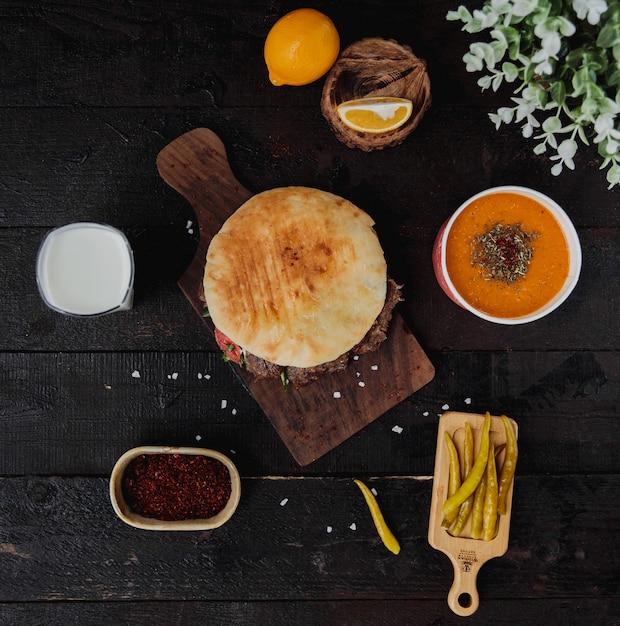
(467, 555)
(314, 419)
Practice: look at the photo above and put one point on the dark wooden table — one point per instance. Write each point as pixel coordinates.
(90, 93)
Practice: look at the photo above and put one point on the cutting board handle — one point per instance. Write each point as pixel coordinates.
(463, 596)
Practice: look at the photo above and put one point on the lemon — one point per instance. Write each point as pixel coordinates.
(301, 47)
(375, 115)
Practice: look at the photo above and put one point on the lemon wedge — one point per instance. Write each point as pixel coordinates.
(375, 115)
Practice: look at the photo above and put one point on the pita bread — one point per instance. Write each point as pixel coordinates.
(296, 276)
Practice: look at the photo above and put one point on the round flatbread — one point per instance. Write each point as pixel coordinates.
(296, 276)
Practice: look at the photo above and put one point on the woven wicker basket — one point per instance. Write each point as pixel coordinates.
(376, 67)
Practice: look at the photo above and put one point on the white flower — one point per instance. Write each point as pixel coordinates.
(613, 175)
(592, 9)
(550, 46)
(544, 68)
(474, 59)
(506, 114)
(528, 129)
(566, 151)
(605, 127)
(559, 77)
(522, 8)
(487, 19)
(498, 5)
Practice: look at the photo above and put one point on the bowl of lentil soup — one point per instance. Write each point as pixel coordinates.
(174, 488)
(509, 255)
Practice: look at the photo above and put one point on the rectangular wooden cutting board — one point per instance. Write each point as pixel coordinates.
(315, 419)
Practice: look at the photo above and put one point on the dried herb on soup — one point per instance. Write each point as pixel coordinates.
(503, 252)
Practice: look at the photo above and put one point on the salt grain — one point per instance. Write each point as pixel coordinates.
(234, 411)
(199, 376)
(445, 407)
(135, 374)
(361, 383)
(397, 429)
(175, 375)
(425, 413)
(467, 400)
(233, 452)
(198, 437)
(353, 526)
(358, 374)
(329, 529)
(283, 502)
(374, 367)
(356, 357)
(374, 491)
(337, 394)
(207, 376)
(224, 404)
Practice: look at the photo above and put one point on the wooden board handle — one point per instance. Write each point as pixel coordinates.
(196, 165)
(463, 596)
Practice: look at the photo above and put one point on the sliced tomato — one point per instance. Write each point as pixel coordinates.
(232, 352)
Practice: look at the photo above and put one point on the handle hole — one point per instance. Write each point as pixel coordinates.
(464, 600)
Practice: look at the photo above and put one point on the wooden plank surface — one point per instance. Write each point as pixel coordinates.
(61, 539)
(91, 93)
(531, 612)
(58, 404)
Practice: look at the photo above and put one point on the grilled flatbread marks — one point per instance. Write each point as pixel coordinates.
(296, 276)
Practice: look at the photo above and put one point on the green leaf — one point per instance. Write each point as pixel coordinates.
(609, 35)
(581, 82)
(484, 82)
(464, 13)
(613, 78)
(558, 92)
(530, 71)
(613, 175)
(511, 71)
(284, 379)
(552, 125)
(521, 8)
(540, 148)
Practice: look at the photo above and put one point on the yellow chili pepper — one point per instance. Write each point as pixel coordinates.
(489, 521)
(454, 480)
(390, 542)
(509, 466)
(468, 463)
(471, 482)
(477, 511)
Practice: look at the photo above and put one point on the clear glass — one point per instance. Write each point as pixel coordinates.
(86, 269)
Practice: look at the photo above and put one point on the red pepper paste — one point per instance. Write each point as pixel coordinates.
(174, 487)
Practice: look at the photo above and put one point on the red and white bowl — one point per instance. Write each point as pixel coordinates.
(572, 239)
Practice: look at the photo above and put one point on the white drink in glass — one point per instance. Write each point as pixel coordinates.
(86, 269)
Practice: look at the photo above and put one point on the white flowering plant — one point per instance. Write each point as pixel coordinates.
(564, 58)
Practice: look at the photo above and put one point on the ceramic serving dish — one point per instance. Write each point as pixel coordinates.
(570, 278)
(124, 511)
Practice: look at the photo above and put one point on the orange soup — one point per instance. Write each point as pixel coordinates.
(546, 264)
